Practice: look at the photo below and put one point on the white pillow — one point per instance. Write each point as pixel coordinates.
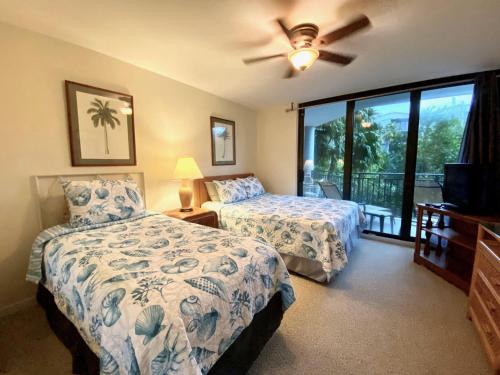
(102, 201)
(212, 191)
(253, 186)
(230, 191)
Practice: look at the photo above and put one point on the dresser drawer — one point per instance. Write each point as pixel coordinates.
(488, 297)
(489, 271)
(486, 330)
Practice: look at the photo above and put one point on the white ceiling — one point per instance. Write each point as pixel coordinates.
(202, 42)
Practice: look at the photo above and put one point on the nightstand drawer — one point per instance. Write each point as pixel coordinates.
(197, 215)
(209, 221)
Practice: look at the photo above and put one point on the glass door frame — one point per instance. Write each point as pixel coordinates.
(415, 89)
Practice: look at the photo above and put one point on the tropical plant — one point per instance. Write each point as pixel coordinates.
(439, 139)
(379, 149)
(103, 114)
(393, 155)
(330, 144)
(366, 149)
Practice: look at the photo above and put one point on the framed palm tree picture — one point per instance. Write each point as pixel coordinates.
(101, 126)
(223, 135)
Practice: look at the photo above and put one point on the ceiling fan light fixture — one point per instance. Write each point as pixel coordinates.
(303, 58)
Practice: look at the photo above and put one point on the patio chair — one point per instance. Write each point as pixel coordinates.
(427, 192)
(330, 190)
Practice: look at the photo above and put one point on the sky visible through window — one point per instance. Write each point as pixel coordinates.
(457, 96)
(452, 97)
(425, 103)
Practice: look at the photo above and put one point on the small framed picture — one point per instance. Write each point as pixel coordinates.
(101, 126)
(223, 135)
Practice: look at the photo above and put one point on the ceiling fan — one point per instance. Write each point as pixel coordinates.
(305, 43)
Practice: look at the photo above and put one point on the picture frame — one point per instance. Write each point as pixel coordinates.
(223, 141)
(101, 126)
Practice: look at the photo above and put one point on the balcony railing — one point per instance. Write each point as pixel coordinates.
(375, 188)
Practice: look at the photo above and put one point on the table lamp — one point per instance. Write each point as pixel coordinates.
(186, 170)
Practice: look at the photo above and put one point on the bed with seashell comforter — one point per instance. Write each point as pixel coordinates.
(156, 295)
(313, 235)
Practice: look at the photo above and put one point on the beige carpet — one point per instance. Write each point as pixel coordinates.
(383, 315)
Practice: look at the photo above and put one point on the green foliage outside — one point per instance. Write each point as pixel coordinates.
(383, 148)
(439, 141)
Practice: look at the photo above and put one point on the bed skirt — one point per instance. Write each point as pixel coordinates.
(313, 269)
(237, 359)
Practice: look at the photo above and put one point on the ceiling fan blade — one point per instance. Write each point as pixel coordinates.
(285, 29)
(263, 58)
(335, 58)
(290, 73)
(358, 24)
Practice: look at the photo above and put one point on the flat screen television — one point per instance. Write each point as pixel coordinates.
(470, 188)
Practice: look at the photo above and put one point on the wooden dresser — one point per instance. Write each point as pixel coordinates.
(484, 297)
(449, 242)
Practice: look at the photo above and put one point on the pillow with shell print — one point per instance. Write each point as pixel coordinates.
(253, 186)
(102, 201)
(230, 191)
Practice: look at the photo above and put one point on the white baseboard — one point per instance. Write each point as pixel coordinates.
(17, 306)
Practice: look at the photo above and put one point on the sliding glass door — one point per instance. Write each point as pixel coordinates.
(378, 159)
(443, 113)
(385, 152)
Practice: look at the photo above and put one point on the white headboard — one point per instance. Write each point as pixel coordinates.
(49, 195)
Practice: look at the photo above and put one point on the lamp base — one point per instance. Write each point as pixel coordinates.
(185, 196)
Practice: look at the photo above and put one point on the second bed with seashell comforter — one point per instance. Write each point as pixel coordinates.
(320, 231)
(155, 295)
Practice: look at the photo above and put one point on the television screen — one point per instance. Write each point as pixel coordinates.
(470, 188)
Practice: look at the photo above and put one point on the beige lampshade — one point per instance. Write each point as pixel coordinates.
(187, 169)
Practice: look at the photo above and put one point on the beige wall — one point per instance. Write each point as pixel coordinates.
(277, 149)
(171, 120)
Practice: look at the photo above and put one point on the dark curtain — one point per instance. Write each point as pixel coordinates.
(481, 141)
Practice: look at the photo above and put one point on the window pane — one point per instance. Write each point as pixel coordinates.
(443, 114)
(324, 141)
(378, 159)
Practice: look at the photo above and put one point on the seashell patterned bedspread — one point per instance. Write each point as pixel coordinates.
(312, 228)
(156, 295)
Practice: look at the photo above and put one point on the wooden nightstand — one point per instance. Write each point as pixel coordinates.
(198, 216)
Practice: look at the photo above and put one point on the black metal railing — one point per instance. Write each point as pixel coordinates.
(375, 188)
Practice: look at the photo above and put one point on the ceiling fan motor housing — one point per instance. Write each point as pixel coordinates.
(305, 43)
(303, 35)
